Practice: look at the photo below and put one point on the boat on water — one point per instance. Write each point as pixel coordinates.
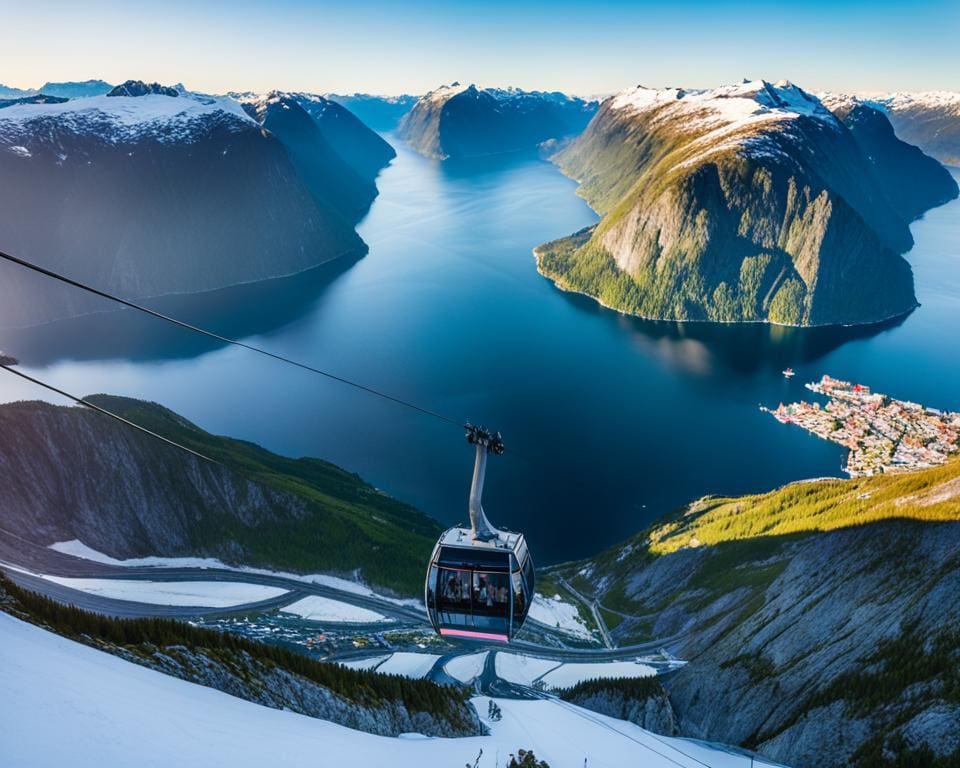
(788, 372)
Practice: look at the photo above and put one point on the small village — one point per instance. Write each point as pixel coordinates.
(883, 434)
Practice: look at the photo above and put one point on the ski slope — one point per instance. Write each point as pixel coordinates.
(67, 704)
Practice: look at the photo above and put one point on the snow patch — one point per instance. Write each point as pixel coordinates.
(412, 665)
(569, 675)
(76, 548)
(468, 667)
(556, 612)
(316, 608)
(204, 594)
(522, 669)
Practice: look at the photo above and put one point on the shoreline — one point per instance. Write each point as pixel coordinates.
(623, 313)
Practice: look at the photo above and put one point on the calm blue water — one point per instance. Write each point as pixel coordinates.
(612, 421)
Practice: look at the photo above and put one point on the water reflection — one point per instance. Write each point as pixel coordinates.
(237, 312)
(744, 349)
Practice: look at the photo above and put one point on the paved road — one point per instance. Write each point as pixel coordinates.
(39, 559)
(595, 610)
(130, 609)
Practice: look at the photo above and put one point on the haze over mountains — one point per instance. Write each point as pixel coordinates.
(455, 121)
(931, 120)
(751, 202)
(381, 113)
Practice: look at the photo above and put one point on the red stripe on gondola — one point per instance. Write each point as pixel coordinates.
(477, 635)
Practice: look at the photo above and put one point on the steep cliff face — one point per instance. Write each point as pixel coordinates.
(819, 621)
(913, 182)
(314, 156)
(165, 192)
(74, 474)
(745, 203)
(931, 120)
(466, 121)
(351, 138)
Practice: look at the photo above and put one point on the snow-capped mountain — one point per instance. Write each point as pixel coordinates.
(748, 202)
(10, 92)
(76, 89)
(466, 121)
(122, 117)
(913, 181)
(164, 192)
(68, 90)
(381, 113)
(324, 141)
(930, 119)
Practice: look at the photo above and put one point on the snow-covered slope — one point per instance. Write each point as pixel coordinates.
(68, 704)
(120, 119)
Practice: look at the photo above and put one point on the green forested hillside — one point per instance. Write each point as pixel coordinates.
(126, 494)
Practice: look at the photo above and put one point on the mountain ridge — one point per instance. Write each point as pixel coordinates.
(461, 121)
(171, 192)
(796, 609)
(750, 202)
(74, 474)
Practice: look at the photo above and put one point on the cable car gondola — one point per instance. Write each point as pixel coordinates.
(480, 580)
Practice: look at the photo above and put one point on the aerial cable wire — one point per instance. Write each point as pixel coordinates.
(225, 339)
(105, 412)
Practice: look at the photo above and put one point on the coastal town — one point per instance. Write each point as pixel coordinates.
(883, 434)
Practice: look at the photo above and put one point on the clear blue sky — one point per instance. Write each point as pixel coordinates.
(384, 47)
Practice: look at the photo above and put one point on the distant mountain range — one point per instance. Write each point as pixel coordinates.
(151, 190)
(750, 202)
(327, 144)
(456, 121)
(68, 90)
(931, 120)
(381, 113)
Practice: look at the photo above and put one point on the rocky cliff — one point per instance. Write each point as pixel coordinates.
(465, 121)
(744, 203)
(74, 474)
(931, 120)
(819, 621)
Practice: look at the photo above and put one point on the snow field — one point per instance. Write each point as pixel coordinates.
(467, 667)
(203, 594)
(412, 665)
(369, 663)
(557, 612)
(67, 704)
(521, 669)
(76, 548)
(316, 608)
(568, 675)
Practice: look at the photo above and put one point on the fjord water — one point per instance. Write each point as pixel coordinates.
(609, 421)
